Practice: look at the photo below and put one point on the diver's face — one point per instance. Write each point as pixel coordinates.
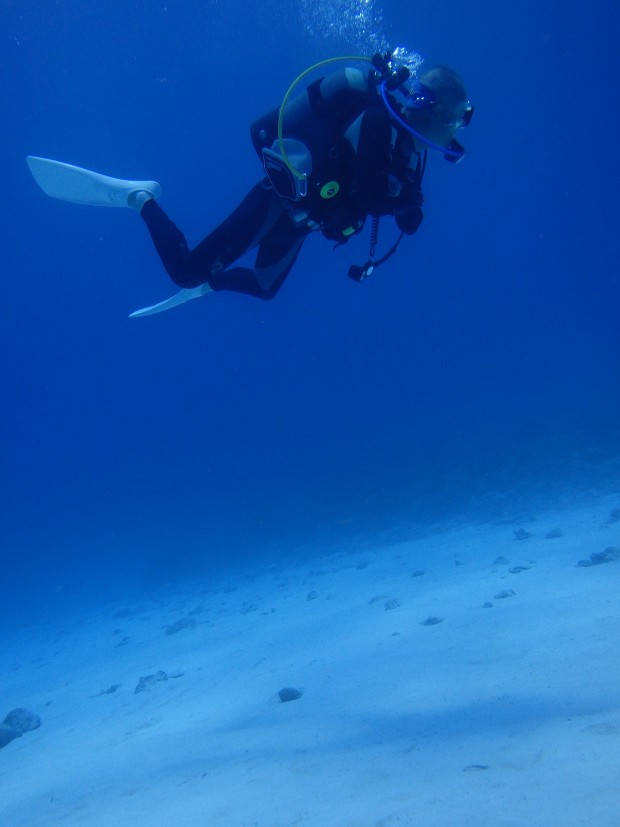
(439, 124)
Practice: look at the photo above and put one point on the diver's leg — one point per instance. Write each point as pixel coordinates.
(243, 229)
(277, 253)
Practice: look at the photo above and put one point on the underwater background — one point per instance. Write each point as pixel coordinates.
(479, 365)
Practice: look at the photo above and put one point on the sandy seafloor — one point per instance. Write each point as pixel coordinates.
(507, 715)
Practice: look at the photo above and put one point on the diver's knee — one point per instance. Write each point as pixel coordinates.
(182, 278)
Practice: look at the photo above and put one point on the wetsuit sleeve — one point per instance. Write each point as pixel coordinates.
(408, 209)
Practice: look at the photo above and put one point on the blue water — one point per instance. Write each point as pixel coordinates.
(482, 357)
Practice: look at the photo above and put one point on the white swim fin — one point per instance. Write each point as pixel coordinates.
(181, 297)
(83, 186)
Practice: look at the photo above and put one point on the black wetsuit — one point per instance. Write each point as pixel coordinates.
(353, 141)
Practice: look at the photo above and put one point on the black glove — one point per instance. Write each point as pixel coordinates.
(409, 219)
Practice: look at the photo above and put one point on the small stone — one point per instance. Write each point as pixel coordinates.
(501, 561)
(22, 719)
(431, 621)
(289, 693)
(247, 608)
(607, 556)
(505, 593)
(148, 681)
(553, 534)
(312, 595)
(522, 534)
(183, 623)
(475, 767)
(394, 603)
(518, 569)
(418, 573)
(487, 605)
(614, 516)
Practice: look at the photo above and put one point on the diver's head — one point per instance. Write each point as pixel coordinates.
(436, 108)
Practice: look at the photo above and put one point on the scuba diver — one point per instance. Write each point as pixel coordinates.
(353, 145)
